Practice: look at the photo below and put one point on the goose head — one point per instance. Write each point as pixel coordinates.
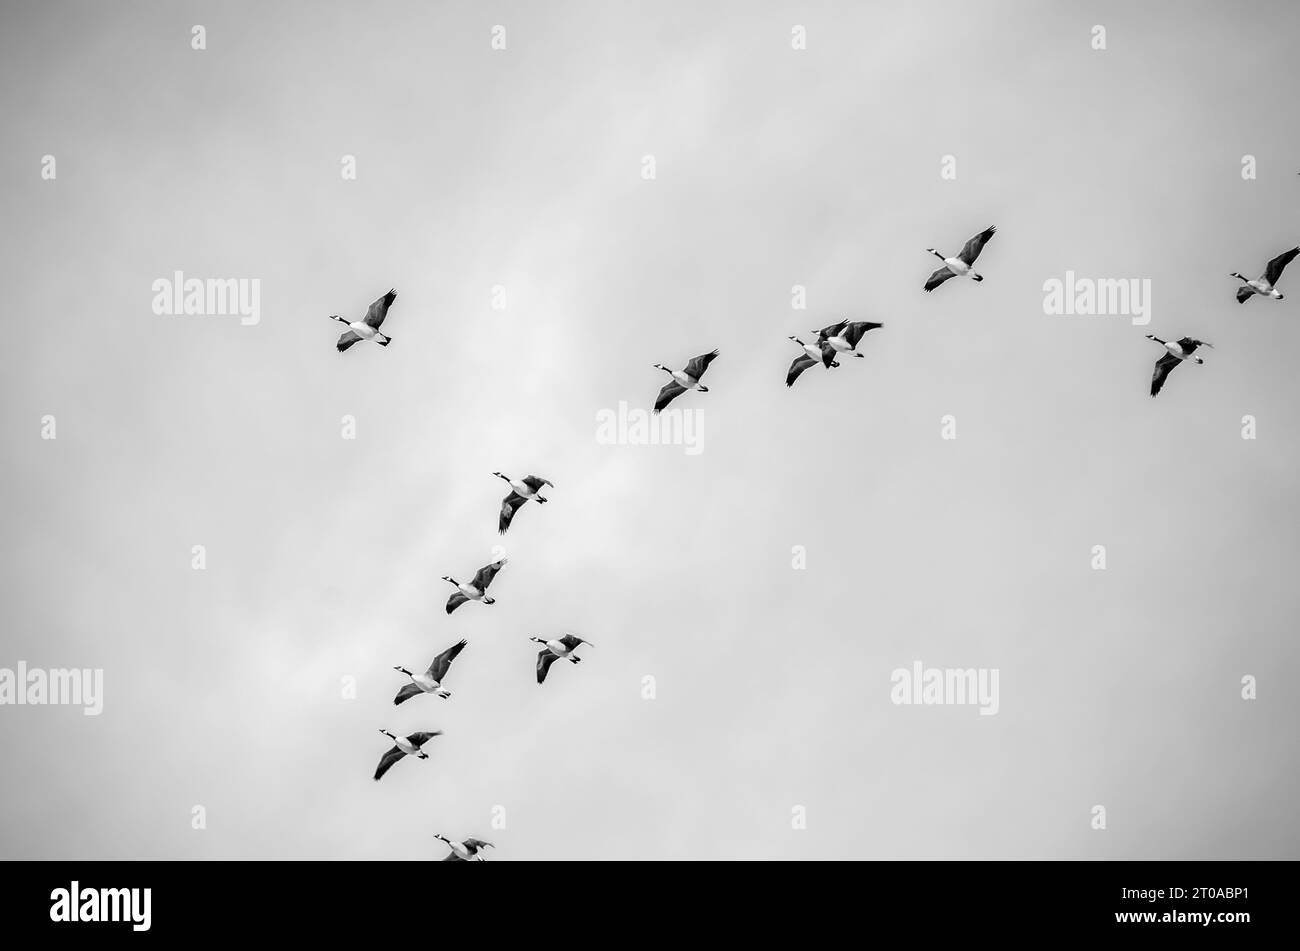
(702, 388)
(450, 579)
(402, 670)
(338, 318)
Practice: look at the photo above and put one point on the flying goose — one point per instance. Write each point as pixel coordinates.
(406, 746)
(1266, 284)
(466, 851)
(683, 380)
(431, 680)
(521, 490)
(1179, 350)
(475, 590)
(367, 328)
(960, 266)
(843, 337)
(557, 649)
(813, 354)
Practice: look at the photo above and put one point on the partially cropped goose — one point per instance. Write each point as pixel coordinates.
(843, 337)
(466, 850)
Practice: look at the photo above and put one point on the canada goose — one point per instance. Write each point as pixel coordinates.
(408, 745)
(813, 354)
(844, 336)
(1179, 350)
(431, 680)
(1266, 284)
(367, 328)
(556, 649)
(960, 266)
(475, 590)
(521, 490)
(466, 851)
(683, 380)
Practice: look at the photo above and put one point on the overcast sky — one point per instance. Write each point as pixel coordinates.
(774, 167)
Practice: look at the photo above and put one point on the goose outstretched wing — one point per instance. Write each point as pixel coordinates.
(486, 574)
(544, 661)
(695, 369)
(406, 693)
(976, 244)
(379, 310)
(387, 760)
(670, 392)
(801, 363)
(854, 331)
(442, 663)
(509, 505)
(1164, 366)
(938, 277)
(1275, 266)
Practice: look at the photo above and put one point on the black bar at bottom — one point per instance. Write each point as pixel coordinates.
(1221, 900)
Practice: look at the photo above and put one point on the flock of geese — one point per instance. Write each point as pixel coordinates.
(433, 678)
(842, 337)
